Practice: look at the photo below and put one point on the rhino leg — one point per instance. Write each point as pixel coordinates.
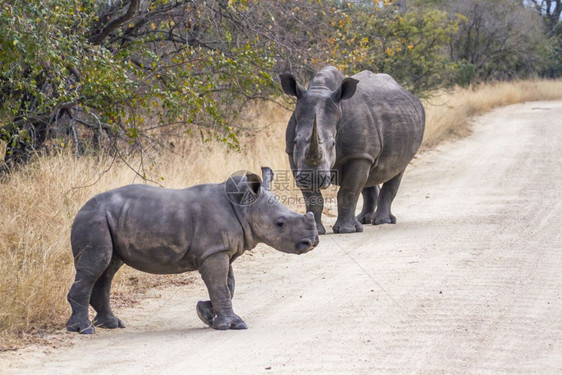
(78, 297)
(369, 202)
(315, 203)
(92, 248)
(205, 308)
(353, 179)
(313, 199)
(100, 297)
(215, 272)
(205, 312)
(386, 196)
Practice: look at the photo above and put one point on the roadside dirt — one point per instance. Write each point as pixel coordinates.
(468, 281)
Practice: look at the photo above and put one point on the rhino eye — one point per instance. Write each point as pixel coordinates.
(280, 224)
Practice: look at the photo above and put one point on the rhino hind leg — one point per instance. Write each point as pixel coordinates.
(92, 248)
(370, 195)
(78, 298)
(99, 298)
(384, 202)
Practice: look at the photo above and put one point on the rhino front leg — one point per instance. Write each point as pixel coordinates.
(215, 272)
(205, 308)
(386, 196)
(370, 195)
(313, 199)
(315, 203)
(354, 177)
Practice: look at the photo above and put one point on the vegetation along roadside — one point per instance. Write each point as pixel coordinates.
(98, 94)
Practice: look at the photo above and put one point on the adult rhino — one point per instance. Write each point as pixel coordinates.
(357, 133)
(162, 231)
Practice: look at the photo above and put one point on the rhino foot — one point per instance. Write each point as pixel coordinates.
(390, 219)
(205, 312)
(88, 331)
(110, 322)
(228, 322)
(85, 328)
(320, 228)
(366, 218)
(348, 228)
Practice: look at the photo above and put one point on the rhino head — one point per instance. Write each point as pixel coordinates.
(316, 116)
(265, 219)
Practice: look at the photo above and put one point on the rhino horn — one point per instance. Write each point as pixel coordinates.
(314, 150)
(267, 176)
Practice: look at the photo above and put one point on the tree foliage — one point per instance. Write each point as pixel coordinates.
(124, 74)
(497, 39)
(97, 70)
(407, 45)
(551, 12)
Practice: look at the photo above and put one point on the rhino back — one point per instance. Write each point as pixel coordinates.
(383, 123)
(166, 230)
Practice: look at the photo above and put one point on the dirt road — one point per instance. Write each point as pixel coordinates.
(468, 281)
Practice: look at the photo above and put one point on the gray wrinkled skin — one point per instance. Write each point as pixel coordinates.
(165, 231)
(357, 132)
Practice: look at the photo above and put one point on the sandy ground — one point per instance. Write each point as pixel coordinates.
(468, 281)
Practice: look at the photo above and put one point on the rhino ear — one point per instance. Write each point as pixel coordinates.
(291, 86)
(254, 183)
(346, 89)
(267, 176)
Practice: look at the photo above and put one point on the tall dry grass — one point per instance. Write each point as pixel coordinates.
(448, 114)
(38, 203)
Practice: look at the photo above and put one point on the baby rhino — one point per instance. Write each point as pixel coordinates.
(162, 231)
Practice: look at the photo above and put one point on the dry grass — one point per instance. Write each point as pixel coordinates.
(448, 114)
(39, 202)
(2, 150)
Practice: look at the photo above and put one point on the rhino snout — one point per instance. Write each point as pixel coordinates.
(306, 244)
(311, 240)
